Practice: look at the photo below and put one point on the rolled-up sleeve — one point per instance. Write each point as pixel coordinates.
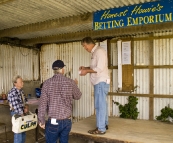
(42, 107)
(76, 91)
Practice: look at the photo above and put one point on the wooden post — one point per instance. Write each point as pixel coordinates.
(151, 81)
(111, 74)
(109, 53)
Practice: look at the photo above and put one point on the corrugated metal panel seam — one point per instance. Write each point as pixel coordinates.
(17, 61)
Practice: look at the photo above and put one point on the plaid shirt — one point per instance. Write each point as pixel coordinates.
(56, 98)
(15, 100)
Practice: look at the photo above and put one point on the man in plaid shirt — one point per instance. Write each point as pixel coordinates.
(56, 99)
(16, 102)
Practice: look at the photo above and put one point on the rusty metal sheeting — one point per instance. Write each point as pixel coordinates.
(35, 11)
(163, 77)
(17, 61)
(163, 50)
(141, 78)
(143, 106)
(141, 52)
(73, 55)
(163, 53)
(160, 103)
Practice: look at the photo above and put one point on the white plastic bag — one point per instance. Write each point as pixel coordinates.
(25, 123)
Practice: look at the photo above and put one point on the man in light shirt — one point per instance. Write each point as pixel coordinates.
(100, 80)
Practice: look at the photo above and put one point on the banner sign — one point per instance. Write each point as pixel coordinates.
(140, 14)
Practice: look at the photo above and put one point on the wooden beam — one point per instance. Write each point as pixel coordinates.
(109, 53)
(151, 81)
(152, 66)
(111, 74)
(5, 1)
(150, 38)
(146, 67)
(140, 95)
(97, 139)
(115, 32)
(128, 94)
(113, 67)
(48, 25)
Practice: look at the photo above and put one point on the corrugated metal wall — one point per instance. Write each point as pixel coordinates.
(163, 78)
(17, 61)
(141, 78)
(163, 53)
(34, 11)
(74, 56)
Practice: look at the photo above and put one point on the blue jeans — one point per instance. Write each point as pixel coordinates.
(19, 137)
(60, 131)
(100, 92)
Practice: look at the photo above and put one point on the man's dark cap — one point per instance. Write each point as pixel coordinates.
(58, 64)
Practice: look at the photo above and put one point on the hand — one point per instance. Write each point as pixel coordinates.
(76, 81)
(26, 109)
(42, 126)
(83, 72)
(81, 68)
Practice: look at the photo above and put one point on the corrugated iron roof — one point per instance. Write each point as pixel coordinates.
(16, 13)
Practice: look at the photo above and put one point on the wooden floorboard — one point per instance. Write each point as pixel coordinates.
(126, 131)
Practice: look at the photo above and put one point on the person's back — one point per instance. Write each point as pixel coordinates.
(59, 91)
(56, 98)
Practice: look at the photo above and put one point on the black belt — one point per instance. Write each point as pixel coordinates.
(61, 119)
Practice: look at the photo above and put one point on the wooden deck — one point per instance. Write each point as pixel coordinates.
(126, 131)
